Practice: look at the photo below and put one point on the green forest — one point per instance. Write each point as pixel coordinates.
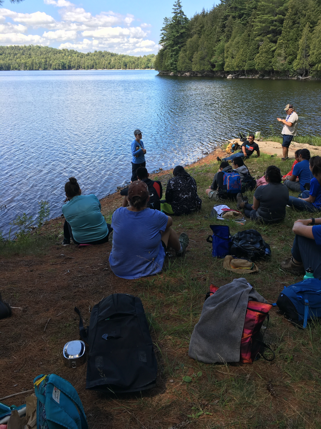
(270, 37)
(44, 58)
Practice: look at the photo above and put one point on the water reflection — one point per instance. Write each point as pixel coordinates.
(56, 124)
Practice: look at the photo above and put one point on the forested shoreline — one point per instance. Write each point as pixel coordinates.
(275, 38)
(45, 58)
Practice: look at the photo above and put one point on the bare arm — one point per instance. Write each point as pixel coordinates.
(289, 124)
(310, 199)
(302, 227)
(258, 152)
(244, 151)
(292, 178)
(256, 203)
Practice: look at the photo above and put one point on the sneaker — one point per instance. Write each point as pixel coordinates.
(184, 240)
(218, 159)
(292, 267)
(66, 242)
(240, 201)
(285, 159)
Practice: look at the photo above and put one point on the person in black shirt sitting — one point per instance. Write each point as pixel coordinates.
(248, 147)
(154, 187)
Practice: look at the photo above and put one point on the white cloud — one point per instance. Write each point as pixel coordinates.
(77, 29)
(21, 39)
(60, 35)
(11, 28)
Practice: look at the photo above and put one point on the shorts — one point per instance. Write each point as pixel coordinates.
(286, 140)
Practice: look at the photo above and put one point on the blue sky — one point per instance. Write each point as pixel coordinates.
(123, 26)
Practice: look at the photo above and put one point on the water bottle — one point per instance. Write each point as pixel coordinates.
(308, 274)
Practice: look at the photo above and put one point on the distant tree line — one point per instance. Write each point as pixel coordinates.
(244, 36)
(44, 58)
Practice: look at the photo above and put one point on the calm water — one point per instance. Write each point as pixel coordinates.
(57, 124)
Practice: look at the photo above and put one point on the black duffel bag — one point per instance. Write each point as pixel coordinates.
(121, 355)
(249, 244)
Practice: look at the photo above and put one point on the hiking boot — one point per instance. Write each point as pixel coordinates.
(292, 267)
(240, 201)
(184, 240)
(218, 159)
(66, 242)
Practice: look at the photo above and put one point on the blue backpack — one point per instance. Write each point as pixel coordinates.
(58, 404)
(232, 181)
(220, 240)
(301, 302)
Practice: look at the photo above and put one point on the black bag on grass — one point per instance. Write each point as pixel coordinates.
(249, 244)
(121, 355)
(5, 309)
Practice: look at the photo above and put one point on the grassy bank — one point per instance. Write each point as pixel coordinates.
(312, 140)
(285, 393)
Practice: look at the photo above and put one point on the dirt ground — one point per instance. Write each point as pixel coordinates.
(45, 289)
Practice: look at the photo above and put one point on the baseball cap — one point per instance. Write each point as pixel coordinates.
(138, 189)
(136, 132)
(288, 106)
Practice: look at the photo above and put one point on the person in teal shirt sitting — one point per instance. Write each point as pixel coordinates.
(84, 223)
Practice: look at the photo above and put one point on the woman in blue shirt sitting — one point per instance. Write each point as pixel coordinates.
(84, 222)
(310, 200)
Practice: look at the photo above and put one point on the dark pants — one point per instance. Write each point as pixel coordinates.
(293, 186)
(135, 167)
(302, 205)
(68, 235)
(306, 250)
(249, 212)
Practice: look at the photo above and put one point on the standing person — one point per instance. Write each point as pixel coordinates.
(247, 149)
(138, 154)
(289, 129)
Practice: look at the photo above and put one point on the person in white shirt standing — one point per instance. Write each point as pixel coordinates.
(289, 129)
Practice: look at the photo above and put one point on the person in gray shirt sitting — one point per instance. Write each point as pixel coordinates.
(269, 201)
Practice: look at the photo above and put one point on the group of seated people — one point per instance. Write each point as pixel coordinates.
(141, 230)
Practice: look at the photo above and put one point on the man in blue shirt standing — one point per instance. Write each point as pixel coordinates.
(138, 154)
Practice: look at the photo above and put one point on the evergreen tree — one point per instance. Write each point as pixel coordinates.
(315, 51)
(263, 60)
(302, 62)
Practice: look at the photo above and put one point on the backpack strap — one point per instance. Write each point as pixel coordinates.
(83, 332)
(306, 313)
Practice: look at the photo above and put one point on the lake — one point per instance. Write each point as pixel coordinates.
(58, 124)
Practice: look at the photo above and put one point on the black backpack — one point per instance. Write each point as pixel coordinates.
(249, 244)
(121, 355)
(248, 183)
(154, 201)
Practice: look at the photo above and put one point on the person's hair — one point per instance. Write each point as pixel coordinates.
(273, 174)
(72, 188)
(251, 135)
(179, 171)
(297, 153)
(316, 169)
(224, 164)
(314, 160)
(138, 202)
(142, 173)
(238, 161)
(305, 154)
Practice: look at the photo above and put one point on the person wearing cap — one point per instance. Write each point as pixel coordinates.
(289, 129)
(138, 154)
(141, 236)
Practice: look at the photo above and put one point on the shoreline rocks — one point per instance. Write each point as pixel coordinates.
(238, 75)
